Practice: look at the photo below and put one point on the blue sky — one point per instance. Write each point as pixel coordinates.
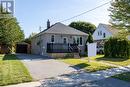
(34, 13)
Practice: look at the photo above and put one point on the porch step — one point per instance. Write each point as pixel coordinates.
(76, 55)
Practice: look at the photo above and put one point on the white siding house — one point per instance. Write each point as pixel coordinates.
(104, 31)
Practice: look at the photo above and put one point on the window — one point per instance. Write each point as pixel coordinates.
(100, 32)
(52, 39)
(65, 40)
(104, 35)
(81, 40)
(78, 40)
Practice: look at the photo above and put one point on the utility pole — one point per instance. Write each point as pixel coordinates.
(40, 40)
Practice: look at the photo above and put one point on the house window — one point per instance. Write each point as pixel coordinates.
(52, 39)
(74, 40)
(104, 35)
(78, 40)
(65, 40)
(100, 32)
(81, 41)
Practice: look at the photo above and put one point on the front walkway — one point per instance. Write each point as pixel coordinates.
(78, 78)
(41, 67)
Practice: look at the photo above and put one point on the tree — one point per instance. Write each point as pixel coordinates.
(120, 14)
(90, 38)
(10, 32)
(83, 26)
(28, 40)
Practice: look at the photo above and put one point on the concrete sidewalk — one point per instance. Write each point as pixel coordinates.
(81, 77)
(29, 84)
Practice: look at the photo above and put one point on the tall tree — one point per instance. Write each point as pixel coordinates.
(28, 40)
(120, 14)
(83, 26)
(10, 32)
(90, 38)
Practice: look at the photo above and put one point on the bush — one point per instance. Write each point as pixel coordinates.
(117, 47)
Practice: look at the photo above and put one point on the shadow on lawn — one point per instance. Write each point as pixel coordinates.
(80, 66)
(112, 59)
(10, 57)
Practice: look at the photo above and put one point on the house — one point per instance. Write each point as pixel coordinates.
(102, 33)
(59, 40)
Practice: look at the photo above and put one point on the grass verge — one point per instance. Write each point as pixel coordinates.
(116, 61)
(123, 76)
(12, 71)
(84, 64)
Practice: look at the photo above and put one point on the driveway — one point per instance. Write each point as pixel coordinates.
(41, 67)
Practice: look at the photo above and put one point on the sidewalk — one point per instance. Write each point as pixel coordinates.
(80, 77)
(29, 84)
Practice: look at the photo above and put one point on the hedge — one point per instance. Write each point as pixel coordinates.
(117, 47)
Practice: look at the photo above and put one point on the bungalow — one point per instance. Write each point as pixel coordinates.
(102, 33)
(59, 40)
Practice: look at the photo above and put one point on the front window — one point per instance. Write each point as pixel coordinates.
(81, 41)
(104, 35)
(65, 40)
(78, 40)
(52, 39)
(100, 32)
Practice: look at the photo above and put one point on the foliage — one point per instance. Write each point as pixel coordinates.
(123, 76)
(120, 14)
(123, 34)
(10, 32)
(83, 26)
(117, 47)
(28, 40)
(12, 70)
(90, 38)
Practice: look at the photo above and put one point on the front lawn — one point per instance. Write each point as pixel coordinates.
(116, 61)
(123, 76)
(12, 71)
(84, 64)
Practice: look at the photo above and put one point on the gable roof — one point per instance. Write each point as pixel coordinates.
(111, 29)
(60, 28)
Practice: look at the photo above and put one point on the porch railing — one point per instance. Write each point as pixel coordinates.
(62, 48)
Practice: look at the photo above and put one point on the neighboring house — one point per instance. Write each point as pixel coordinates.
(102, 33)
(59, 39)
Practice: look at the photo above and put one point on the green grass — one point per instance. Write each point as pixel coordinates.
(84, 64)
(116, 61)
(123, 76)
(12, 71)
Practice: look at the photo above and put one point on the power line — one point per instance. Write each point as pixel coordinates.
(86, 12)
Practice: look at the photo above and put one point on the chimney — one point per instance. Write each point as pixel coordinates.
(48, 24)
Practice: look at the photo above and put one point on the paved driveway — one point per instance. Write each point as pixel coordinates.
(41, 67)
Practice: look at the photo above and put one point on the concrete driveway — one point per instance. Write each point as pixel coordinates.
(41, 67)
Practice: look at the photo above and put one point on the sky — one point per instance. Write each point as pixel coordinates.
(34, 13)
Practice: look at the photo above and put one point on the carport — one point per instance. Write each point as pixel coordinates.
(22, 48)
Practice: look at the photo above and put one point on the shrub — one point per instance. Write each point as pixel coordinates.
(117, 47)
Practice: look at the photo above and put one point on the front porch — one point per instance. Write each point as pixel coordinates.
(62, 48)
